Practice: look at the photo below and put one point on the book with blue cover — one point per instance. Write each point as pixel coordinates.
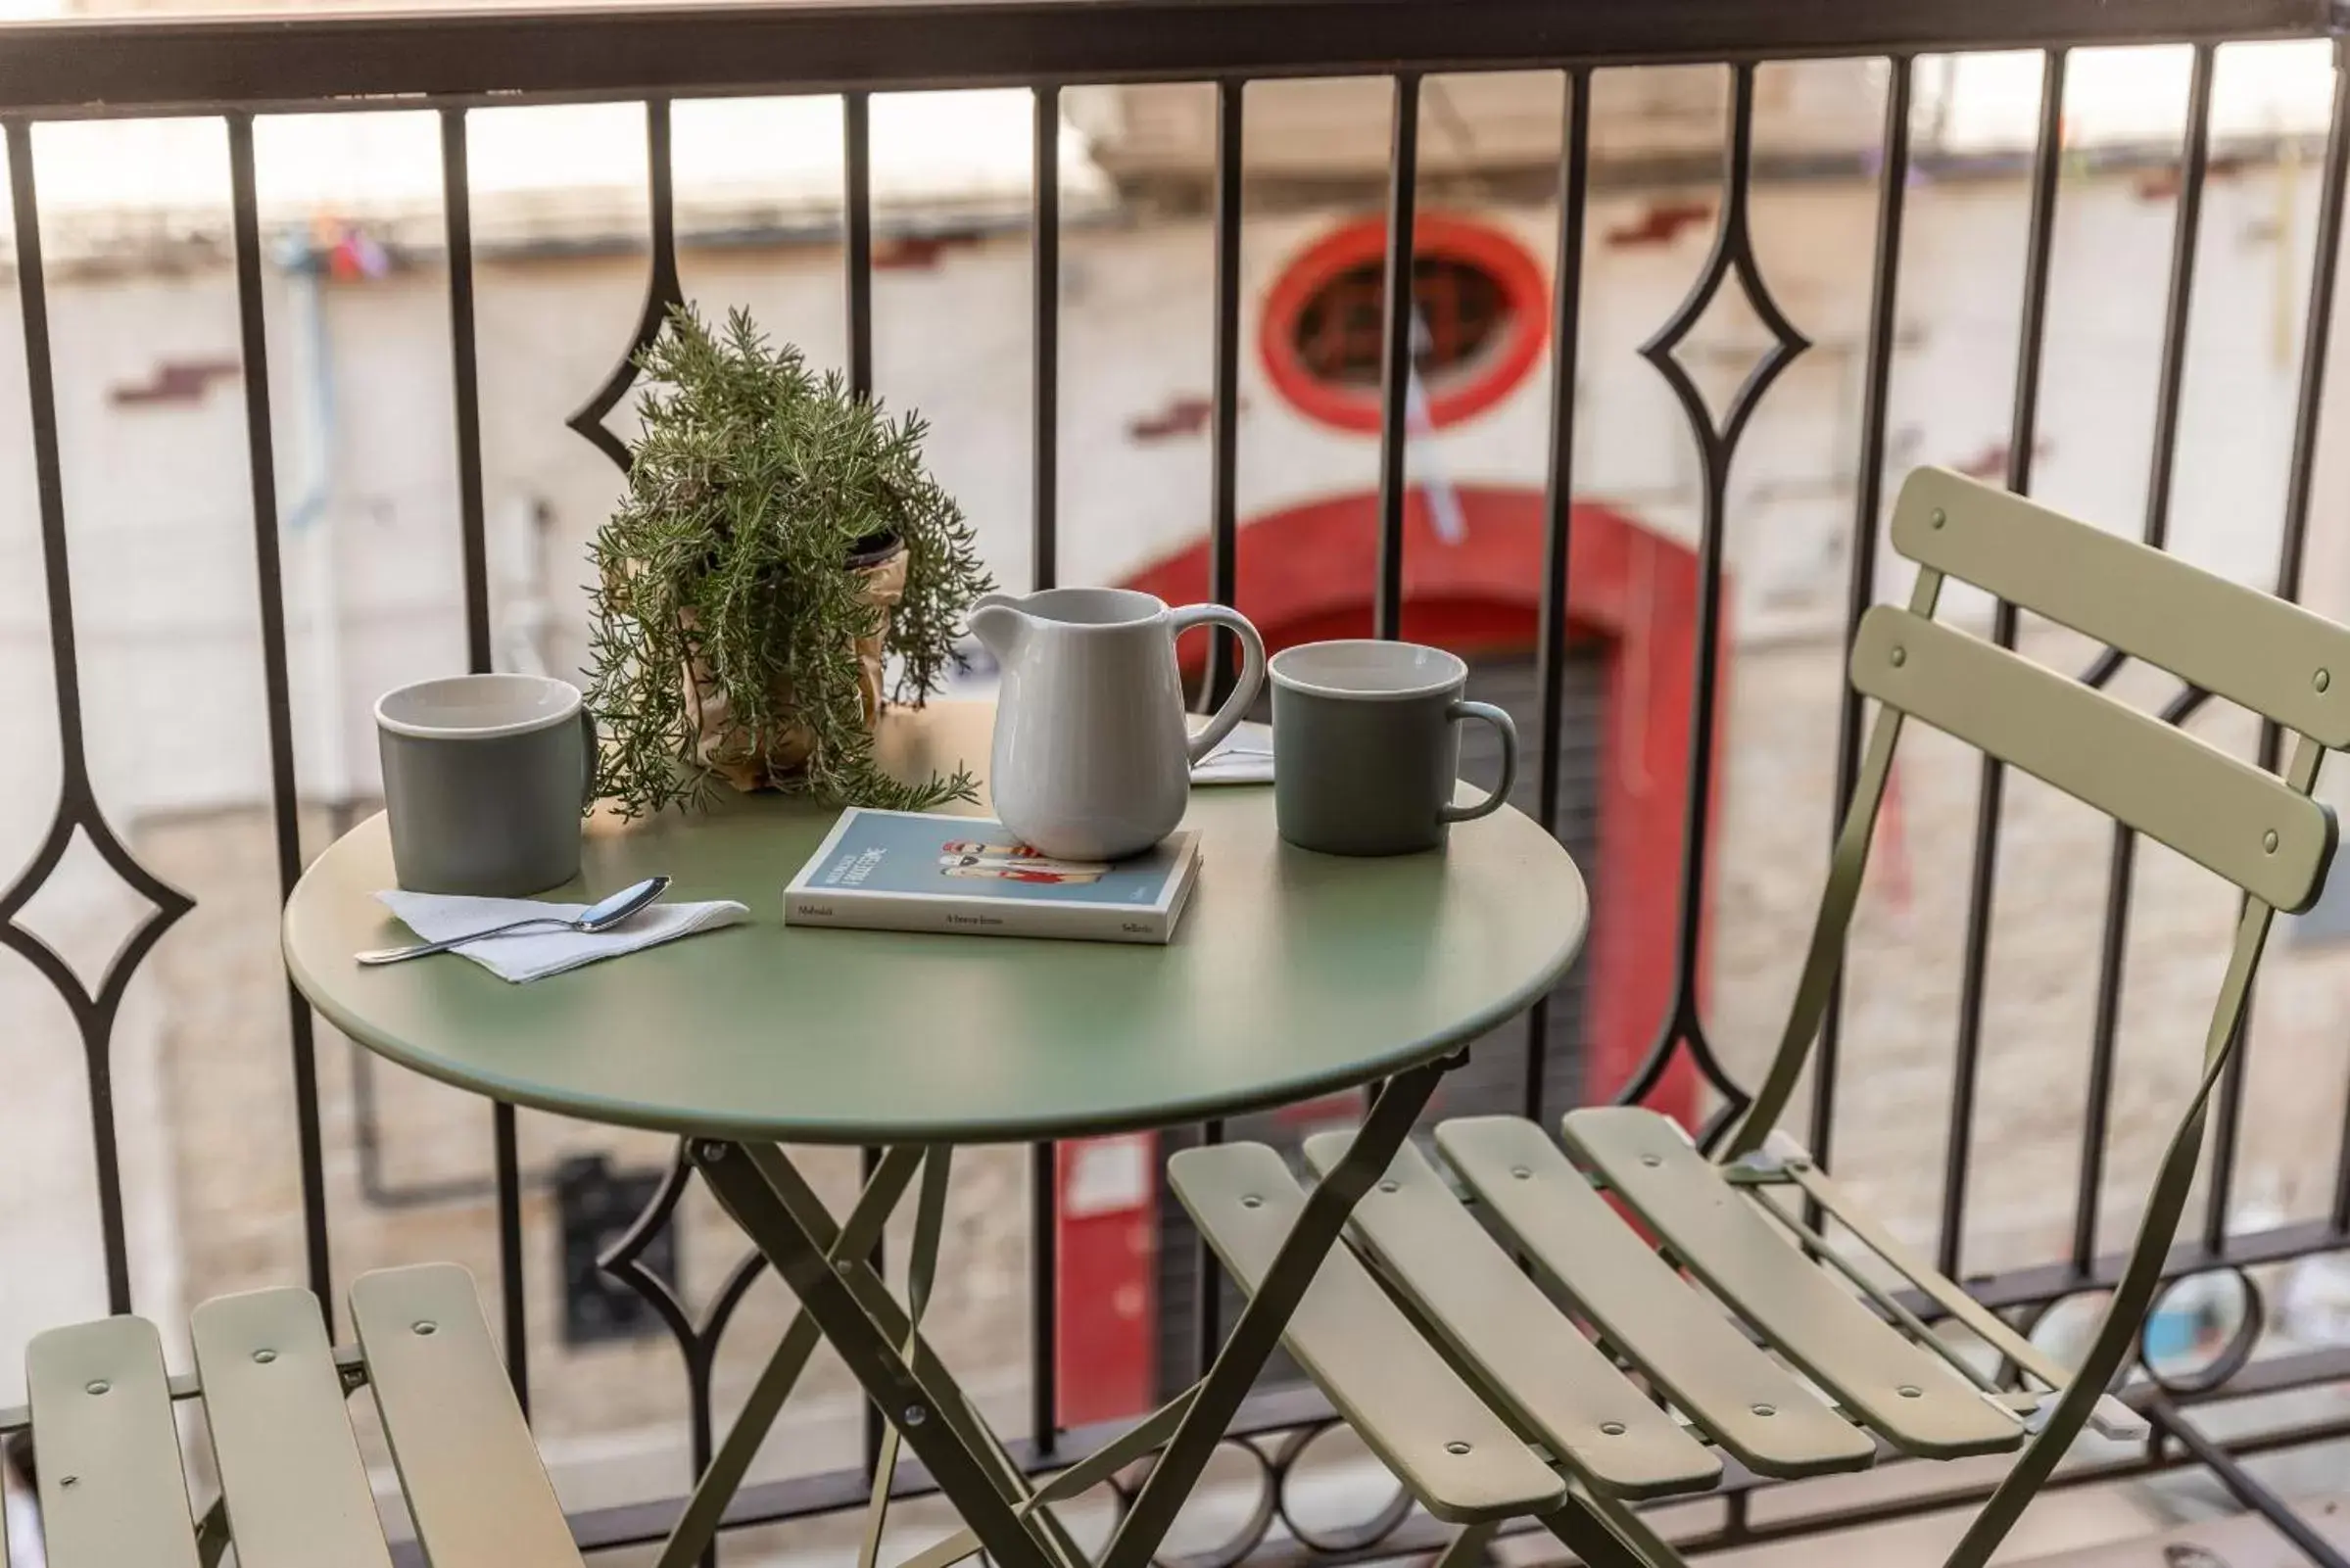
(911, 871)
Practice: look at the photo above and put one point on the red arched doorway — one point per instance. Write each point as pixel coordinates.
(1306, 572)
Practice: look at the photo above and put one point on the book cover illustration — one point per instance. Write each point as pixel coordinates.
(918, 871)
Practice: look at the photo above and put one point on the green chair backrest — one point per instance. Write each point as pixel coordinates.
(2260, 832)
(2248, 646)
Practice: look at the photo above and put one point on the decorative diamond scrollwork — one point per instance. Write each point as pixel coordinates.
(79, 825)
(696, 1338)
(91, 982)
(78, 813)
(624, 1261)
(94, 1007)
(662, 291)
(1732, 257)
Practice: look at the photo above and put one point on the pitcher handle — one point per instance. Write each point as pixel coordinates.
(1252, 669)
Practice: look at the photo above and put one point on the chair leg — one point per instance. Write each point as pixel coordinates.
(1468, 1548)
(2125, 1316)
(1147, 1436)
(1607, 1535)
(2141, 1276)
(211, 1534)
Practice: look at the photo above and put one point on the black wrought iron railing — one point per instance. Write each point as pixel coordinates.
(452, 64)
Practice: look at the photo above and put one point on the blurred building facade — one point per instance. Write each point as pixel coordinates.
(144, 316)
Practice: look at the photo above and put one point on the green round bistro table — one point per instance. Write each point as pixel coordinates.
(1292, 974)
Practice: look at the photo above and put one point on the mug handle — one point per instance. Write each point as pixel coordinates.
(1494, 802)
(1252, 670)
(586, 784)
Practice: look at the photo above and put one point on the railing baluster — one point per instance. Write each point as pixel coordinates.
(1224, 566)
(856, 200)
(2023, 433)
(76, 803)
(276, 687)
(1559, 506)
(1860, 587)
(457, 207)
(1732, 257)
(1044, 1311)
(2293, 548)
(2114, 947)
(512, 1317)
(1696, 814)
(1044, 1412)
(1223, 522)
(33, 298)
(1396, 356)
(856, 140)
(663, 293)
(457, 198)
(2317, 340)
(1045, 538)
(2195, 160)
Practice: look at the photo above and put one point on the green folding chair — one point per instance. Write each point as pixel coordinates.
(1489, 1403)
(294, 1493)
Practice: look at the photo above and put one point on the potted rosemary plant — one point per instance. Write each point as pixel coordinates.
(779, 548)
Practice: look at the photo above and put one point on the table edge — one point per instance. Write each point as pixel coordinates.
(766, 1129)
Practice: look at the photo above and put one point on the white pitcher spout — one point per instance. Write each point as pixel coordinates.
(1000, 625)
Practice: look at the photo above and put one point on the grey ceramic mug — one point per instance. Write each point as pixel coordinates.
(1367, 746)
(485, 778)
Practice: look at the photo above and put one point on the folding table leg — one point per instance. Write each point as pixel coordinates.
(773, 1204)
(867, 1289)
(1146, 1436)
(929, 1216)
(1261, 1323)
(698, 1524)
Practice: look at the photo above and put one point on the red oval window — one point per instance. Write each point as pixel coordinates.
(1480, 308)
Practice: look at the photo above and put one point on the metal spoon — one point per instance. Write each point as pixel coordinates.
(602, 915)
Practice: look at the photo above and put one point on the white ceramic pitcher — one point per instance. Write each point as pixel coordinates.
(1091, 761)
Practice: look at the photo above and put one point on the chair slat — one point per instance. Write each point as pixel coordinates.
(1643, 1310)
(113, 1494)
(475, 1486)
(1455, 1453)
(2244, 644)
(291, 1475)
(2111, 1418)
(1532, 1357)
(2226, 815)
(1898, 1388)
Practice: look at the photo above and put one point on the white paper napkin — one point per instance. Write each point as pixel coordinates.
(1245, 757)
(547, 949)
